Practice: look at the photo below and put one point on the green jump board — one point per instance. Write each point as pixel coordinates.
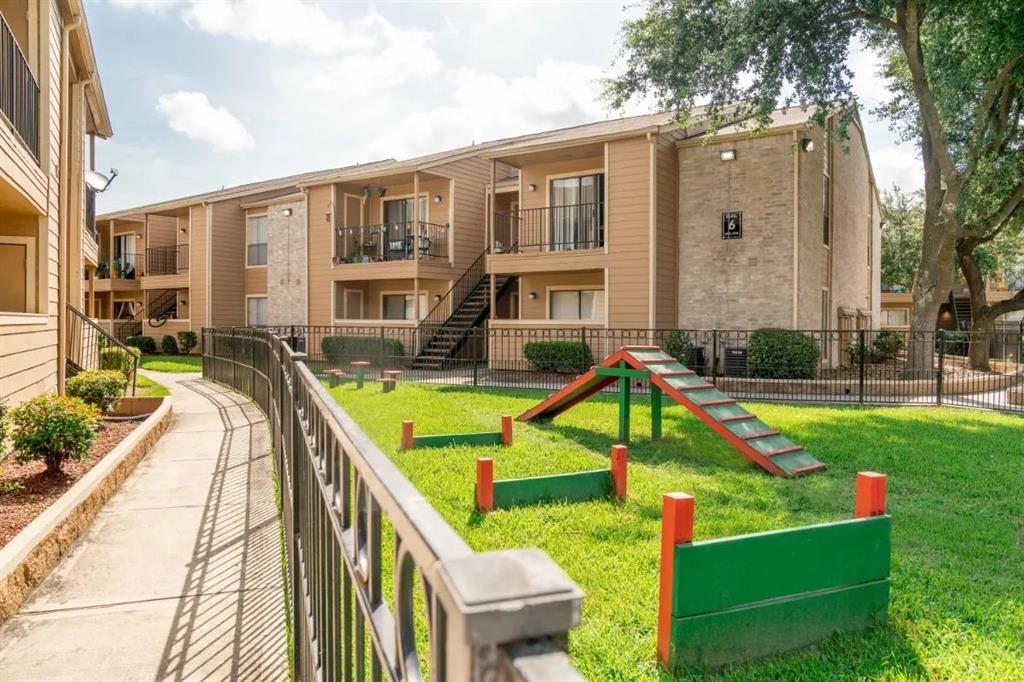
(573, 487)
(744, 597)
(444, 440)
(736, 571)
(712, 640)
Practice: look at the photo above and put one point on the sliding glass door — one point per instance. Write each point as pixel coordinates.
(576, 219)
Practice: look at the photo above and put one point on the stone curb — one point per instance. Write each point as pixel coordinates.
(31, 554)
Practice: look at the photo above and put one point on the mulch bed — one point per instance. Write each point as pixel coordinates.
(38, 491)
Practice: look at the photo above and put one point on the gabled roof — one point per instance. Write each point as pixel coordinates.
(288, 182)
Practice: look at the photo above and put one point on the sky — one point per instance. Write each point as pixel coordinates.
(211, 93)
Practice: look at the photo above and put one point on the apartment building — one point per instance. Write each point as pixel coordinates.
(51, 109)
(634, 223)
(955, 314)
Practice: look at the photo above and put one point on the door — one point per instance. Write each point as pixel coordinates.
(124, 255)
(353, 304)
(14, 265)
(576, 213)
(352, 218)
(397, 218)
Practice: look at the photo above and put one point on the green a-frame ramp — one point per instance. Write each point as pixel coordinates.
(757, 441)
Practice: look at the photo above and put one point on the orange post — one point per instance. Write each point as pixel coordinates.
(620, 457)
(506, 430)
(407, 434)
(485, 484)
(676, 528)
(869, 499)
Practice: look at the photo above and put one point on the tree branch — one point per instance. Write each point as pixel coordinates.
(986, 114)
(1005, 212)
(1009, 305)
(854, 12)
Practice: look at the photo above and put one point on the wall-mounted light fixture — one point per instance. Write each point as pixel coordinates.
(382, 190)
(533, 295)
(807, 144)
(286, 212)
(727, 155)
(183, 230)
(437, 298)
(532, 187)
(366, 191)
(437, 198)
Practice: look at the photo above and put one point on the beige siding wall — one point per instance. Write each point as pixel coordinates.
(320, 247)
(469, 183)
(666, 261)
(198, 285)
(541, 283)
(373, 291)
(161, 231)
(227, 261)
(540, 174)
(628, 232)
(739, 283)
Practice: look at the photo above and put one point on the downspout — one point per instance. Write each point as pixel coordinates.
(796, 230)
(64, 228)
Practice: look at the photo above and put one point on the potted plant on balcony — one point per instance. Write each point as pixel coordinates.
(103, 270)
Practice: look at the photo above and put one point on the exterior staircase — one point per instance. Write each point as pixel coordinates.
(159, 310)
(962, 312)
(84, 342)
(442, 333)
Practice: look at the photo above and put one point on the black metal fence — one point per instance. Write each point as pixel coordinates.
(167, 260)
(19, 91)
(339, 496)
(550, 228)
(834, 366)
(85, 343)
(391, 242)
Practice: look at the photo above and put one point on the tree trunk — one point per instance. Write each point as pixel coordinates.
(53, 464)
(982, 319)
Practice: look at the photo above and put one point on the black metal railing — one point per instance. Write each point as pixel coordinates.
(391, 242)
(167, 260)
(454, 297)
(551, 228)
(90, 214)
(162, 306)
(127, 265)
(85, 342)
(832, 366)
(19, 91)
(339, 494)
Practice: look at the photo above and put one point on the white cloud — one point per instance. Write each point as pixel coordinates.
(192, 114)
(898, 165)
(149, 6)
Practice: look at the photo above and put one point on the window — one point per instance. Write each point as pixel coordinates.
(256, 311)
(256, 241)
(401, 210)
(825, 210)
(576, 304)
(402, 307)
(897, 317)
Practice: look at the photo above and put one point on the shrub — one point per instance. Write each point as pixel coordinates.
(679, 345)
(120, 360)
(146, 344)
(99, 388)
(187, 341)
(340, 350)
(559, 356)
(53, 428)
(887, 344)
(168, 345)
(781, 354)
(3, 427)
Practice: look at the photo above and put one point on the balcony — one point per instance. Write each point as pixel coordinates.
(19, 92)
(122, 275)
(575, 227)
(167, 260)
(391, 242)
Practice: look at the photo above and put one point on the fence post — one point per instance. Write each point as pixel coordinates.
(941, 337)
(380, 353)
(476, 372)
(861, 352)
(234, 382)
(714, 355)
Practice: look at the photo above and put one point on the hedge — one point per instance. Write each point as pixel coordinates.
(100, 388)
(781, 354)
(146, 344)
(341, 350)
(559, 356)
(119, 359)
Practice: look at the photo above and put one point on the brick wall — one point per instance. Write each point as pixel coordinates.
(286, 264)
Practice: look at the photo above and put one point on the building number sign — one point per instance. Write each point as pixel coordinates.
(732, 225)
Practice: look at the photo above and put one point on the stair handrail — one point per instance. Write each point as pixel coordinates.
(157, 310)
(85, 339)
(466, 283)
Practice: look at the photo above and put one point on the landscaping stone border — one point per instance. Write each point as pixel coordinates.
(31, 554)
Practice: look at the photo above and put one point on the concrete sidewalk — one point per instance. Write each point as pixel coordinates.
(179, 576)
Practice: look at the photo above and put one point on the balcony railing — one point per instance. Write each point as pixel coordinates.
(550, 228)
(390, 242)
(19, 92)
(167, 260)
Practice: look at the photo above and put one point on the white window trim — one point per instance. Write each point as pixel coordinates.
(573, 174)
(408, 292)
(573, 287)
(31, 278)
(344, 301)
(247, 217)
(423, 195)
(263, 296)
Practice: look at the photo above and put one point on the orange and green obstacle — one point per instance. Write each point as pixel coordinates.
(737, 598)
(757, 441)
(578, 486)
(410, 440)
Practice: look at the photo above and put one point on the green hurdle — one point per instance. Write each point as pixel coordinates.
(578, 486)
(410, 440)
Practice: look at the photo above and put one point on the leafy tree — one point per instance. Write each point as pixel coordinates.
(954, 69)
(903, 218)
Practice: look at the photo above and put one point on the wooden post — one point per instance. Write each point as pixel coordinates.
(506, 429)
(676, 528)
(655, 412)
(869, 495)
(407, 430)
(620, 457)
(485, 484)
(623, 407)
(92, 292)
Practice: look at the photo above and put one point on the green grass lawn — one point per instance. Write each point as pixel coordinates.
(147, 388)
(172, 363)
(955, 482)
